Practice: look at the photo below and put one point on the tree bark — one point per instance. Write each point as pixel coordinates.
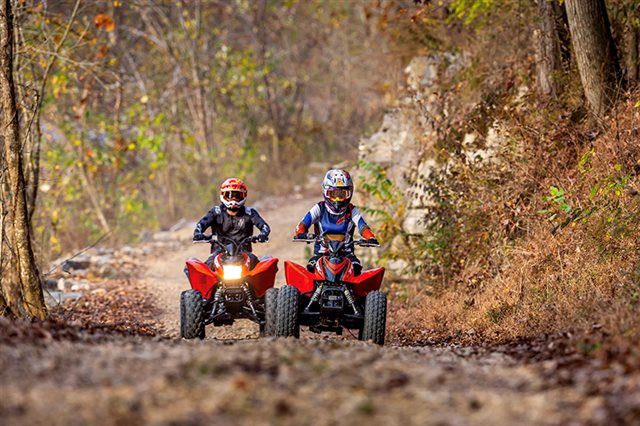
(631, 39)
(200, 95)
(10, 300)
(27, 275)
(595, 52)
(552, 39)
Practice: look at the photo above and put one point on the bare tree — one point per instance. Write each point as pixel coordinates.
(552, 46)
(21, 284)
(632, 44)
(595, 52)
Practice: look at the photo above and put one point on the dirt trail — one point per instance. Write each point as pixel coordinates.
(233, 377)
(267, 381)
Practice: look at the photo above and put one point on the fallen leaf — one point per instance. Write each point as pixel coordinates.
(104, 21)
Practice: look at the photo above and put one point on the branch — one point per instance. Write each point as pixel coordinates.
(56, 51)
(95, 243)
(64, 58)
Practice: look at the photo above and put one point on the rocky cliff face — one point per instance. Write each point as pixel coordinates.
(409, 132)
(408, 145)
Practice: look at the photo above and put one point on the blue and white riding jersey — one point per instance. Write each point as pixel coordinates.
(337, 226)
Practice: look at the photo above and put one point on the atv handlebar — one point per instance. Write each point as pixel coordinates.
(321, 238)
(365, 243)
(213, 239)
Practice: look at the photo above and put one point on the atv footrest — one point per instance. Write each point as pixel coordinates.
(320, 328)
(223, 322)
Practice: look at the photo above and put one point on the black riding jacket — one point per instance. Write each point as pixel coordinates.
(236, 227)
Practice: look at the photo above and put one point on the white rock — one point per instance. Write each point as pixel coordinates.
(414, 223)
(398, 265)
(469, 139)
(80, 286)
(101, 260)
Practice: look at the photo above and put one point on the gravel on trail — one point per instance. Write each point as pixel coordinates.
(272, 381)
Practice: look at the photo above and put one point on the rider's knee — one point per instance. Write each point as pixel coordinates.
(311, 266)
(357, 268)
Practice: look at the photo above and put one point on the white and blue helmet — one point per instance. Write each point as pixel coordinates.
(337, 189)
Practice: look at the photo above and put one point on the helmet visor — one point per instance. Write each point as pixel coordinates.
(335, 194)
(233, 195)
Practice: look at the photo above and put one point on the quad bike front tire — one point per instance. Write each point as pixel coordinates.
(287, 320)
(270, 313)
(375, 318)
(191, 315)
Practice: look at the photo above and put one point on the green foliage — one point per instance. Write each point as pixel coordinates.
(433, 247)
(605, 195)
(587, 346)
(388, 207)
(497, 315)
(559, 204)
(471, 11)
(378, 185)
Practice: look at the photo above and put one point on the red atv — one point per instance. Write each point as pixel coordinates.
(332, 297)
(229, 292)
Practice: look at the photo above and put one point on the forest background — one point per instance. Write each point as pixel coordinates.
(147, 106)
(131, 112)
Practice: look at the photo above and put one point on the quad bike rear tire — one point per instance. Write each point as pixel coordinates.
(270, 312)
(375, 318)
(287, 320)
(191, 315)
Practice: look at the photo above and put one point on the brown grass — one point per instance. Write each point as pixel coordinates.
(534, 276)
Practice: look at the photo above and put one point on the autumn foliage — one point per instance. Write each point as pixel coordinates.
(541, 239)
(148, 105)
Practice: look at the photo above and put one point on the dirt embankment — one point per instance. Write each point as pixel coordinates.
(233, 377)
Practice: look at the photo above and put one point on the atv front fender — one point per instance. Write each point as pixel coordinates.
(367, 281)
(201, 277)
(263, 276)
(298, 276)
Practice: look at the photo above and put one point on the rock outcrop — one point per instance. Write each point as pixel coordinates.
(408, 145)
(411, 130)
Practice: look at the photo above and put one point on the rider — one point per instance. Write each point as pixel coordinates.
(335, 217)
(232, 220)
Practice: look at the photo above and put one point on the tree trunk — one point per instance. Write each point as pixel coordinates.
(203, 116)
(10, 300)
(552, 40)
(27, 274)
(632, 51)
(31, 113)
(595, 52)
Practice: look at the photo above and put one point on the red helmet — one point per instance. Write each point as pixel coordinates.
(233, 192)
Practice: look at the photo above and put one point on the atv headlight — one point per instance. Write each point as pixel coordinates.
(232, 272)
